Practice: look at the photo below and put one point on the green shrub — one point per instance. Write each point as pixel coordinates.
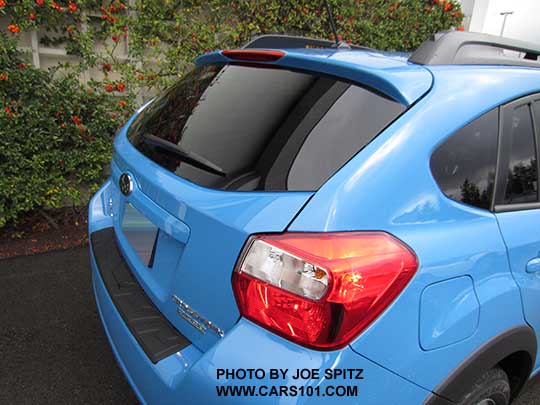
(56, 132)
(55, 136)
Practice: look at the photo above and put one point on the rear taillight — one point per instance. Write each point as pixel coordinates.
(321, 290)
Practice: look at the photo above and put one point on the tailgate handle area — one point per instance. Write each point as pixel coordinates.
(161, 218)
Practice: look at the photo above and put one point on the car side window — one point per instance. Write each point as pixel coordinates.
(464, 165)
(522, 178)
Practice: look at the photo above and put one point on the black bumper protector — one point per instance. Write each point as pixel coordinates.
(156, 336)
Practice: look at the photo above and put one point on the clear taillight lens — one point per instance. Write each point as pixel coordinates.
(279, 268)
(321, 289)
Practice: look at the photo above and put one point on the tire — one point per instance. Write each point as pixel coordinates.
(492, 388)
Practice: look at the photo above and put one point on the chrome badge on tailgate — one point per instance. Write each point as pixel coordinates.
(195, 319)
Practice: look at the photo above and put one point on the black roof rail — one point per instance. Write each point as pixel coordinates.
(471, 48)
(277, 41)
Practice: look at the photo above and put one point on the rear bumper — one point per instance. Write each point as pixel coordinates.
(191, 376)
(156, 336)
(153, 383)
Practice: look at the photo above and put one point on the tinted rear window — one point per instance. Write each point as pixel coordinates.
(464, 166)
(521, 184)
(235, 127)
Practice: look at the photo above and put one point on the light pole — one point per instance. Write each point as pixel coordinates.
(505, 14)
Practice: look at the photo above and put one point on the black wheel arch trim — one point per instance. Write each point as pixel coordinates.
(490, 354)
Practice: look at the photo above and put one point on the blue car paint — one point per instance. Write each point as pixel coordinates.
(393, 76)
(220, 221)
(387, 186)
(520, 232)
(447, 236)
(190, 376)
(201, 381)
(449, 312)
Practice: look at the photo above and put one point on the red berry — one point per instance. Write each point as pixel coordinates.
(13, 28)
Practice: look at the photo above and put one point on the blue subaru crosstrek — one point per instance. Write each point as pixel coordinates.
(296, 222)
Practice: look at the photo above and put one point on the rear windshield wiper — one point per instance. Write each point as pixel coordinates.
(188, 157)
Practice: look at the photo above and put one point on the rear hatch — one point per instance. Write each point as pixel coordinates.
(231, 150)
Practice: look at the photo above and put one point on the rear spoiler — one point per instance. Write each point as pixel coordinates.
(277, 41)
(405, 84)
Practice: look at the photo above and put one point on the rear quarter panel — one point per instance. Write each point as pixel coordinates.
(389, 186)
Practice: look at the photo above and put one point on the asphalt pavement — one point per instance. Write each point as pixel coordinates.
(53, 349)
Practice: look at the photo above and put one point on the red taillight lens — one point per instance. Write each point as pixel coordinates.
(255, 55)
(321, 289)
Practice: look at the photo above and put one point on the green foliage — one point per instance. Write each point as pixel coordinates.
(55, 135)
(56, 129)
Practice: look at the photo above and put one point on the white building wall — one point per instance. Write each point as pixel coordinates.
(485, 16)
(49, 56)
